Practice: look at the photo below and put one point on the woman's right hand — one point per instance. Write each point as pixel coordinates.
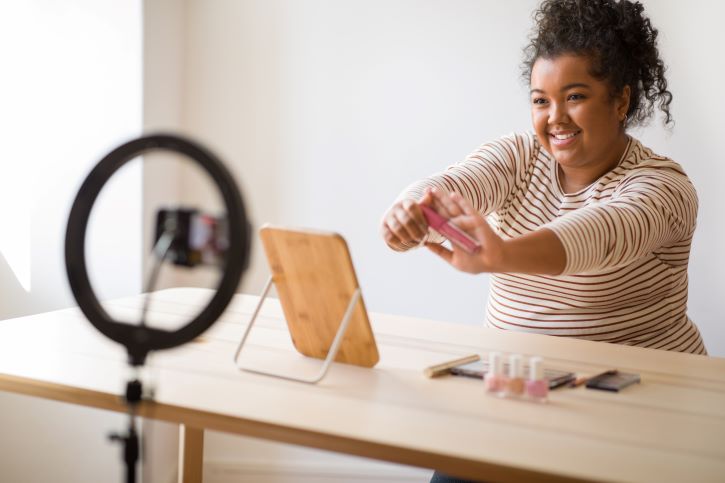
(403, 226)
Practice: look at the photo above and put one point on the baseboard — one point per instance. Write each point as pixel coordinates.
(298, 472)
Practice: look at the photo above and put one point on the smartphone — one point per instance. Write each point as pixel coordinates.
(449, 230)
(478, 370)
(199, 238)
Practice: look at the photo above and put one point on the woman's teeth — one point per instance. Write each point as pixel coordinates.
(565, 136)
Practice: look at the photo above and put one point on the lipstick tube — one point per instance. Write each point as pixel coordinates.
(450, 230)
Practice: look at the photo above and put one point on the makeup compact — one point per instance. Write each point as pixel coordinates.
(612, 380)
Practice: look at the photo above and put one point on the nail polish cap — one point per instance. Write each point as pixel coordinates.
(536, 368)
(515, 366)
(494, 364)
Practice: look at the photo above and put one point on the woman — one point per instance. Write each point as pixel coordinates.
(586, 231)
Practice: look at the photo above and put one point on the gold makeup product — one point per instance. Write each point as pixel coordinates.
(445, 367)
(578, 381)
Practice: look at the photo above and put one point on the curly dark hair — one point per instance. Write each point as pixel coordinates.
(617, 37)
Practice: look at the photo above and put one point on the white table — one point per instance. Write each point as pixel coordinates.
(671, 427)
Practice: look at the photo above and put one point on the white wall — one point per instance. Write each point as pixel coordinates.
(325, 110)
(70, 91)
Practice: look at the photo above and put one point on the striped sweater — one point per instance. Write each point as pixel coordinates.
(627, 240)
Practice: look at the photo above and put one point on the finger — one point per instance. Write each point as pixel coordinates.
(393, 225)
(474, 224)
(403, 226)
(450, 204)
(390, 239)
(414, 226)
(438, 195)
(463, 204)
(414, 211)
(427, 198)
(467, 223)
(441, 251)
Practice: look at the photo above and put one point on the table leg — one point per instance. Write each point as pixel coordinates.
(191, 454)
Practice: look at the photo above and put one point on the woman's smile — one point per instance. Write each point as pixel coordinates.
(564, 139)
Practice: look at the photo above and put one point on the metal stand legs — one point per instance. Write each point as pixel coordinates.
(331, 353)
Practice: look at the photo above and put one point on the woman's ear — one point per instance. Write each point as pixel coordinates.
(623, 102)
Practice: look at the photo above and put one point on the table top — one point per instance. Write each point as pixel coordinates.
(671, 427)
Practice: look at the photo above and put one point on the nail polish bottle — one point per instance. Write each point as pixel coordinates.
(494, 380)
(537, 387)
(515, 380)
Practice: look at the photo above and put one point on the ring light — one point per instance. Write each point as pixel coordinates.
(139, 340)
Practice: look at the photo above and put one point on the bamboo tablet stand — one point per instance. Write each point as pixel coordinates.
(320, 297)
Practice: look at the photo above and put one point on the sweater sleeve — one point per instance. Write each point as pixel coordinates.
(485, 178)
(651, 208)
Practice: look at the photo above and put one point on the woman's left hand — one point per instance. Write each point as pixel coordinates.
(490, 257)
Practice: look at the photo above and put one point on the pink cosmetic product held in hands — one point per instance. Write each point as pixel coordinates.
(449, 230)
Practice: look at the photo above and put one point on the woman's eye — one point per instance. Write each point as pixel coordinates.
(575, 97)
(538, 100)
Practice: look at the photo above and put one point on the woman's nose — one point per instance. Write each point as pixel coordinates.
(557, 113)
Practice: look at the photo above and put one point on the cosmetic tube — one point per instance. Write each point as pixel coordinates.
(537, 387)
(494, 380)
(515, 383)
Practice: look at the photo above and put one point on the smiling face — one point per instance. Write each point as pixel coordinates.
(576, 118)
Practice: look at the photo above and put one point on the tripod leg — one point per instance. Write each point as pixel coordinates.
(131, 455)
(130, 450)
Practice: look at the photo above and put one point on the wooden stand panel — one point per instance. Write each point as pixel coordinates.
(315, 280)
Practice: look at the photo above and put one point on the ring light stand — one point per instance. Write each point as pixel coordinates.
(140, 339)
